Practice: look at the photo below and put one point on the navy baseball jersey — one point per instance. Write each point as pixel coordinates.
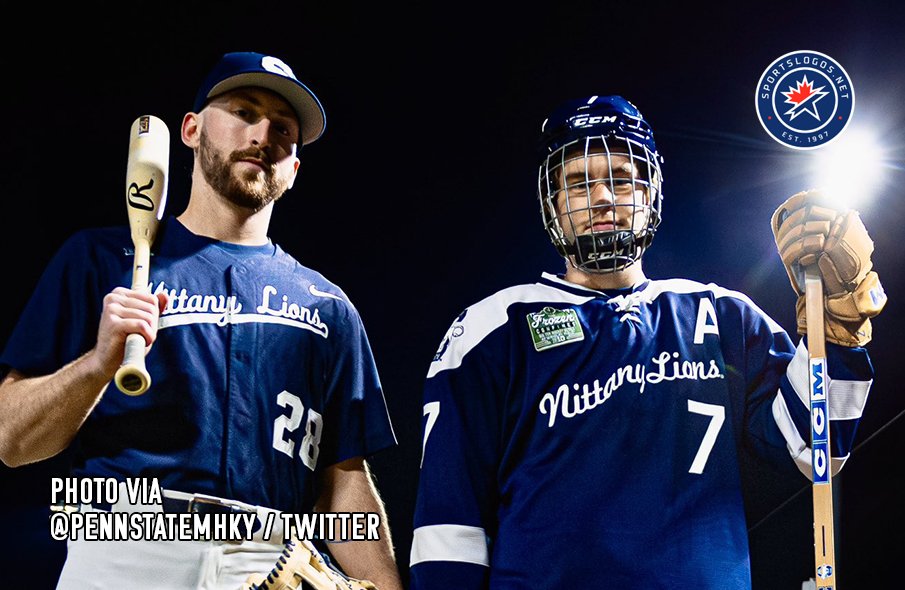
(577, 438)
(262, 373)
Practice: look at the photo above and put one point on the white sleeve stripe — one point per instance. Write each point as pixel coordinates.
(847, 398)
(486, 316)
(798, 448)
(796, 445)
(797, 372)
(450, 542)
(836, 463)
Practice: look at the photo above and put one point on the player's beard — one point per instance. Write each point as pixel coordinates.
(245, 190)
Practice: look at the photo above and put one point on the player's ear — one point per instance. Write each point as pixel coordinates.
(295, 168)
(191, 130)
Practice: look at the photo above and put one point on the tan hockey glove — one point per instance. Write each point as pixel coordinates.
(301, 566)
(807, 232)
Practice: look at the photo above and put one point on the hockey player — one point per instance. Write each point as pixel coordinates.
(585, 430)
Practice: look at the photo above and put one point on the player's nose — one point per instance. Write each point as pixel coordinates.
(601, 193)
(260, 132)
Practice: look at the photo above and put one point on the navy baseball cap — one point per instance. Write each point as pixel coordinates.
(246, 68)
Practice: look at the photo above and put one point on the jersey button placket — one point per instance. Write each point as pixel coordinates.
(240, 377)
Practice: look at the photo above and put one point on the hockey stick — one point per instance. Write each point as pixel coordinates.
(824, 542)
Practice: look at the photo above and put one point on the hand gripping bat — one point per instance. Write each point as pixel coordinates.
(146, 195)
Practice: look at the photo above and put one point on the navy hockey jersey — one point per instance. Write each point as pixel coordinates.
(576, 438)
(262, 373)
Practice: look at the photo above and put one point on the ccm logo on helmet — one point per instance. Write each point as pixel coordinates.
(587, 121)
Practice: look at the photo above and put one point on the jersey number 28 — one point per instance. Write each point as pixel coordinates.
(286, 425)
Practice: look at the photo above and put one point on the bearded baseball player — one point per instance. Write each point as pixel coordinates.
(585, 430)
(264, 398)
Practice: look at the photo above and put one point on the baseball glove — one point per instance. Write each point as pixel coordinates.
(302, 567)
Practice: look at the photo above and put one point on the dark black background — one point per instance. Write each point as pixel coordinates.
(420, 197)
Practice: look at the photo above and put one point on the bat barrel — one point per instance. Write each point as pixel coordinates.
(147, 176)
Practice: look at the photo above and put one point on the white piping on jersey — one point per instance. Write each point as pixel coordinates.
(847, 398)
(222, 319)
(681, 287)
(450, 542)
(796, 445)
(489, 314)
(318, 293)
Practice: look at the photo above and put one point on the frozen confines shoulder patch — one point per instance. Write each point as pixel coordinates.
(553, 327)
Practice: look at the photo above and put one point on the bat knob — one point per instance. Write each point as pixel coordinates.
(131, 381)
(132, 378)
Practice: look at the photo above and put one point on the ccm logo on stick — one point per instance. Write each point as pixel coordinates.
(819, 416)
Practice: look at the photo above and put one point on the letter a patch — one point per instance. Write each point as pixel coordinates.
(706, 322)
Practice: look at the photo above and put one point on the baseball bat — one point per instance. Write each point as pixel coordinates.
(822, 487)
(146, 195)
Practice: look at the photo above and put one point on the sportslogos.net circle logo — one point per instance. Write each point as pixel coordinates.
(804, 99)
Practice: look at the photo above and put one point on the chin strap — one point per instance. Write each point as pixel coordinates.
(608, 251)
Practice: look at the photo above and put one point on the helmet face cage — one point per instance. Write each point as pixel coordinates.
(600, 198)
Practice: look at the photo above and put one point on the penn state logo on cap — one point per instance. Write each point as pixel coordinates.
(247, 68)
(804, 99)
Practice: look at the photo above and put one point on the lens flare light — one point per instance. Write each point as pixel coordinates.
(850, 170)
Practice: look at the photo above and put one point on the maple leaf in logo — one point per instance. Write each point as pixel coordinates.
(804, 98)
